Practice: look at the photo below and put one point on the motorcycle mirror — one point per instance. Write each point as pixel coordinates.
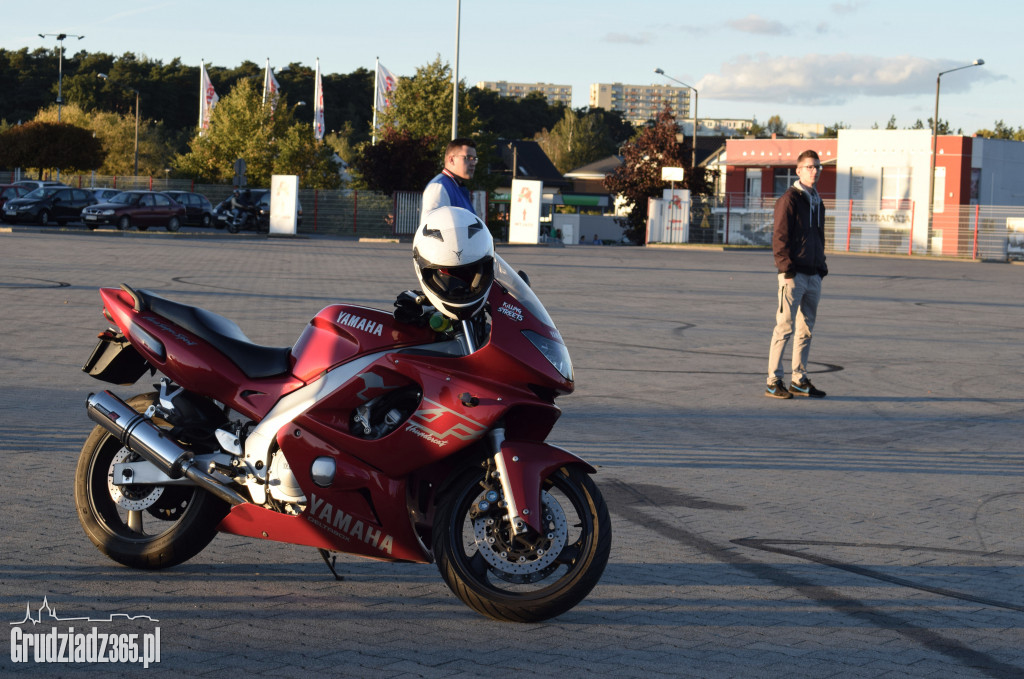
(526, 279)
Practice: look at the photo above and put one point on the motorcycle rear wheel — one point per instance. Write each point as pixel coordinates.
(532, 577)
(148, 527)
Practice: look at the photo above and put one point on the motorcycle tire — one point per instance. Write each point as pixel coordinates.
(146, 527)
(232, 227)
(527, 578)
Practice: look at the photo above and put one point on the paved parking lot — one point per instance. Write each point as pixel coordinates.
(876, 533)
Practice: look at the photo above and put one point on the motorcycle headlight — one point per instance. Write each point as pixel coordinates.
(555, 352)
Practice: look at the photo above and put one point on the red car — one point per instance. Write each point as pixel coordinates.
(141, 209)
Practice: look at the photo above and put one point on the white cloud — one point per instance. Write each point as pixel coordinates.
(629, 38)
(848, 7)
(759, 25)
(830, 78)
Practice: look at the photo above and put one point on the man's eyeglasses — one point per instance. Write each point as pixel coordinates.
(469, 159)
(810, 167)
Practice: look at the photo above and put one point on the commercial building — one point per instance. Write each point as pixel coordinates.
(876, 185)
(553, 93)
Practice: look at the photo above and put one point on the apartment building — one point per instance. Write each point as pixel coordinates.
(553, 93)
(640, 103)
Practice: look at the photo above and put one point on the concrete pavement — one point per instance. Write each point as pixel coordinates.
(874, 533)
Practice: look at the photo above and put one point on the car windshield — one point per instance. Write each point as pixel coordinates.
(41, 193)
(124, 198)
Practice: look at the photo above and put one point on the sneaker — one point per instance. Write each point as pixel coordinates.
(777, 389)
(805, 388)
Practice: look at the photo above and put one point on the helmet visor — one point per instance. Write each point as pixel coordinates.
(460, 284)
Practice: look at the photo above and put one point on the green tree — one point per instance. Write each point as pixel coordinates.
(639, 176)
(755, 130)
(399, 161)
(422, 105)
(832, 131)
(776, 126)
(513, 117)
(116, 134)
(241, 126)
(943, 128)
(1002, 131)
(50, 146)
(300, 154)
(578, 139)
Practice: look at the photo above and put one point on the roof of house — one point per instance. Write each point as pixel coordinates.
(599, 169)
(530, 162)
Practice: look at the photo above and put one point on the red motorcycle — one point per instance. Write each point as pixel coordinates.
(418, 440)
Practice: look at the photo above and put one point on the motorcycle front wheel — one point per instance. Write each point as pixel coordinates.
(528, 577)
(146, 527)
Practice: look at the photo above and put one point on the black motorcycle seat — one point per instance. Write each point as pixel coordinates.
(255, 360)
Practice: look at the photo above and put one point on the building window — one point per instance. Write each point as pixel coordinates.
(784, 178)
(897, 183)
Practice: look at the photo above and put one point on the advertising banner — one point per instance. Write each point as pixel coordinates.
(284, 204)
(524, 211)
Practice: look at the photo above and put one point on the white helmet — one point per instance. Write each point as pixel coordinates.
(454, 257)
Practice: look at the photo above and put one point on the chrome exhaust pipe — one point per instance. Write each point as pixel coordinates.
(142, 437)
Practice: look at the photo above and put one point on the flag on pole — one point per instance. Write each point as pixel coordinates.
(271, 88)
(318, 105)
(386, 84)
(207, 98)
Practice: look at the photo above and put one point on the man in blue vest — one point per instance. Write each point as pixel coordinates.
(448, 188)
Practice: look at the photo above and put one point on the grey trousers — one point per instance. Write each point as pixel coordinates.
(797, 308)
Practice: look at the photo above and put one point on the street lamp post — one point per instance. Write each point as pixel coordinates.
(935, 141)
(60, 64)
(696, 97)
(455, 73)
(104, 76)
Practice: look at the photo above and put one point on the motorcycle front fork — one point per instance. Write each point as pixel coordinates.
(508, 500)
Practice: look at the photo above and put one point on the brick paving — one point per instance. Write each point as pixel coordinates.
(874, 533)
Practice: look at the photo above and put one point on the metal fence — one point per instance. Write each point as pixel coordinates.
(362, 214)
(967, 231)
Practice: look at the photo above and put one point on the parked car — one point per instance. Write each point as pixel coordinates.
(260, 199)
(33, 184)
(141, 209)
(103, 195)
(49, 204)
(11, 191)
(198, 209)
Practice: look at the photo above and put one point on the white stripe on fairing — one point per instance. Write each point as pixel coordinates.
(258, 443)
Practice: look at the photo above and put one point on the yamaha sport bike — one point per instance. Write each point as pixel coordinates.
(399, 436)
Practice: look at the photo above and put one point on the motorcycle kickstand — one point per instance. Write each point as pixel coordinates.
(330, 561)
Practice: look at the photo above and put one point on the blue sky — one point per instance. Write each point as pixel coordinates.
(855, 61)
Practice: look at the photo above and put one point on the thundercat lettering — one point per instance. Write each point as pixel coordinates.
(360, 323)
(339, 523)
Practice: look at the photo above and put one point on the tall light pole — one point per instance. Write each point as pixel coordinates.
(455, 74)
(696, 96)
(60, 63)
(935, 141)
(104, 76)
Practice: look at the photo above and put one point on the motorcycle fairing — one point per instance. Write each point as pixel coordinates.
(341, 331)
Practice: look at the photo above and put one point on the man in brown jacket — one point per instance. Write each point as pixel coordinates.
(798, 241)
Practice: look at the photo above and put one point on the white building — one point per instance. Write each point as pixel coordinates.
(553, 93)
